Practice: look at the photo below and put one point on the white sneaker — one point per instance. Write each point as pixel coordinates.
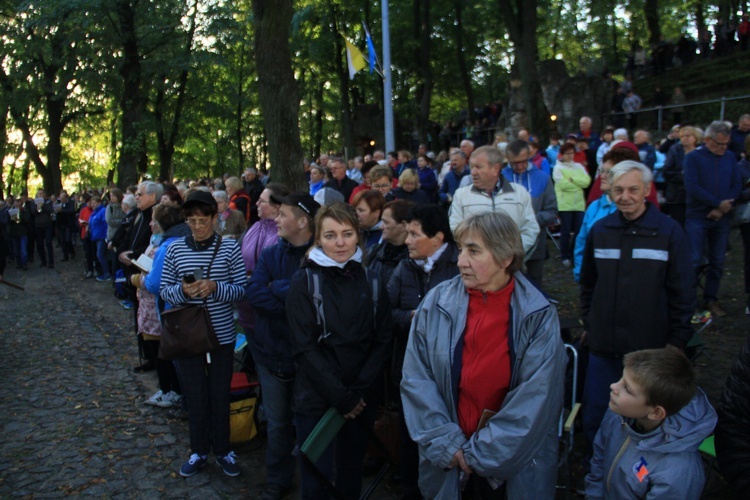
(168, 400)
(155, 399)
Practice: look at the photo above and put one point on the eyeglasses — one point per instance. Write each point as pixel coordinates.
(261, 200)
(604, 170)
(519, 163)
(139, 194)
(192, 221)
(719, 143)
(381, 186)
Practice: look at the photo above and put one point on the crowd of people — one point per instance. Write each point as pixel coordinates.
(416, 282)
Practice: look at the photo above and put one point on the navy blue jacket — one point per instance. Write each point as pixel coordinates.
(647, 154)
(737, 142)
(709, 179)
(637, 284)
(267, 291)
(451, 182)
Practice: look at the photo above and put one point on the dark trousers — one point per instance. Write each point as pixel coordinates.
(570, 222)
(66, 240)
(708, 238)
(477, 488)
(43, 236)
(677, 212)
(89, 251)
(206, 388)
(600, 374)
(345, 454)
(409, 460)
(167, 374)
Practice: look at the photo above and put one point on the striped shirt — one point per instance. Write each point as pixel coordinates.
(227, 271)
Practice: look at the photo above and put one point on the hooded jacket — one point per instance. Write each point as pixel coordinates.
(543, 199)
(663, 463)
(519, 445)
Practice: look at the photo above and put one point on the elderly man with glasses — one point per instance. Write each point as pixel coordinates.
(712, 183)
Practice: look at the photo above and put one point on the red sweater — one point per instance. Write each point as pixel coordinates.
(485, 361)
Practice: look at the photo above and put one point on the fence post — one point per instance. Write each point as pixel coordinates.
(660, 117)
(723, 107)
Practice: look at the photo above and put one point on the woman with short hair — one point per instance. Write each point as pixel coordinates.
(408, 188)
(369, 207)
(192, 275)
(483, 375)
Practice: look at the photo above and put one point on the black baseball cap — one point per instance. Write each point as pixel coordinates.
(303, 201)
(200, 197)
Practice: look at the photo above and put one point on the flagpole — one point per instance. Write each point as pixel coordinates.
(390, 143)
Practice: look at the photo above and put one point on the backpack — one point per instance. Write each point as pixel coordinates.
(315, 287)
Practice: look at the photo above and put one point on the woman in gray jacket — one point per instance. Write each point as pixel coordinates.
(482, 385)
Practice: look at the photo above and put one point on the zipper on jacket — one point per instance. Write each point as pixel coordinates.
(617, 459)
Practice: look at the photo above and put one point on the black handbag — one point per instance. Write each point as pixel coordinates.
(187, 330)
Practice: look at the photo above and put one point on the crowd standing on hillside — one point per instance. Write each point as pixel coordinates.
(416, 282)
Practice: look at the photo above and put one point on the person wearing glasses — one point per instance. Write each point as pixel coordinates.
(712, 183)
(206, 378)
(521, 170)
(262, 234)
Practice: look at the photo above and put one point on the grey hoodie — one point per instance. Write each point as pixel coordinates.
(661, 464)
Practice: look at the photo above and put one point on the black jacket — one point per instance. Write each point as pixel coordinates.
(406, 288)
(733, 430)
(637, 284)
(346, 366)
(384, 257)
(345, 187)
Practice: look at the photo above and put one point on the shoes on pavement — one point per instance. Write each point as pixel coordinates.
(194, 464)
(103, 278)
(88, 274)
(274, 492)
(155, 399)
(228, 464)
(169, 400)
(716, 308)
(566, 262)
(127, 305)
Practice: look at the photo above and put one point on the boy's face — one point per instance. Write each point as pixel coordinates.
(626, 398)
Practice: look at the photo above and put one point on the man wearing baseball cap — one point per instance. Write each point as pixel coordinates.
(269, 344)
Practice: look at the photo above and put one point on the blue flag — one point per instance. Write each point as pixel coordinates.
(370, 51)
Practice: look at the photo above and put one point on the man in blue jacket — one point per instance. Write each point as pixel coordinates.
(712, 183)
(637, 291)
(270, 342)
(452, 180)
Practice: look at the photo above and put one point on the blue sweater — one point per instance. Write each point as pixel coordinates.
(709, 179)
(98, 224)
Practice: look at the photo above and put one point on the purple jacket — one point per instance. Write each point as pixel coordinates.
(262, 234)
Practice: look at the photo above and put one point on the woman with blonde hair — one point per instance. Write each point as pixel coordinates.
(408, 188)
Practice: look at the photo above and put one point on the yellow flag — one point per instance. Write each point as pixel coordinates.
(354, 58)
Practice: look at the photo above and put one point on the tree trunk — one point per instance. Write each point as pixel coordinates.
(132, 102)
(700, 18)
(3, 146)
(279, 98)
(464, 70)
(520, 19)
(239, 119)
(651, 10)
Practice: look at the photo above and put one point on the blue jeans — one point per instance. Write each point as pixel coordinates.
(347, 450)
(708, 238)
(206, 387)
(101, 256)
(600, 374)
(277, 405)
(22, 250)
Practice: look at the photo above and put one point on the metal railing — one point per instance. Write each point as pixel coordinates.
(660, 109)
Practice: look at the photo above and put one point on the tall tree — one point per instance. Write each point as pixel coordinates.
(50, 78)
(651, 10)
(279, 99)
(520, 19)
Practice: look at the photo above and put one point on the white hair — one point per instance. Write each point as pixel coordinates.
(621, 134)
(626, 166)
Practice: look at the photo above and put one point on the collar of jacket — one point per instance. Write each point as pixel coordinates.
(649, 220)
